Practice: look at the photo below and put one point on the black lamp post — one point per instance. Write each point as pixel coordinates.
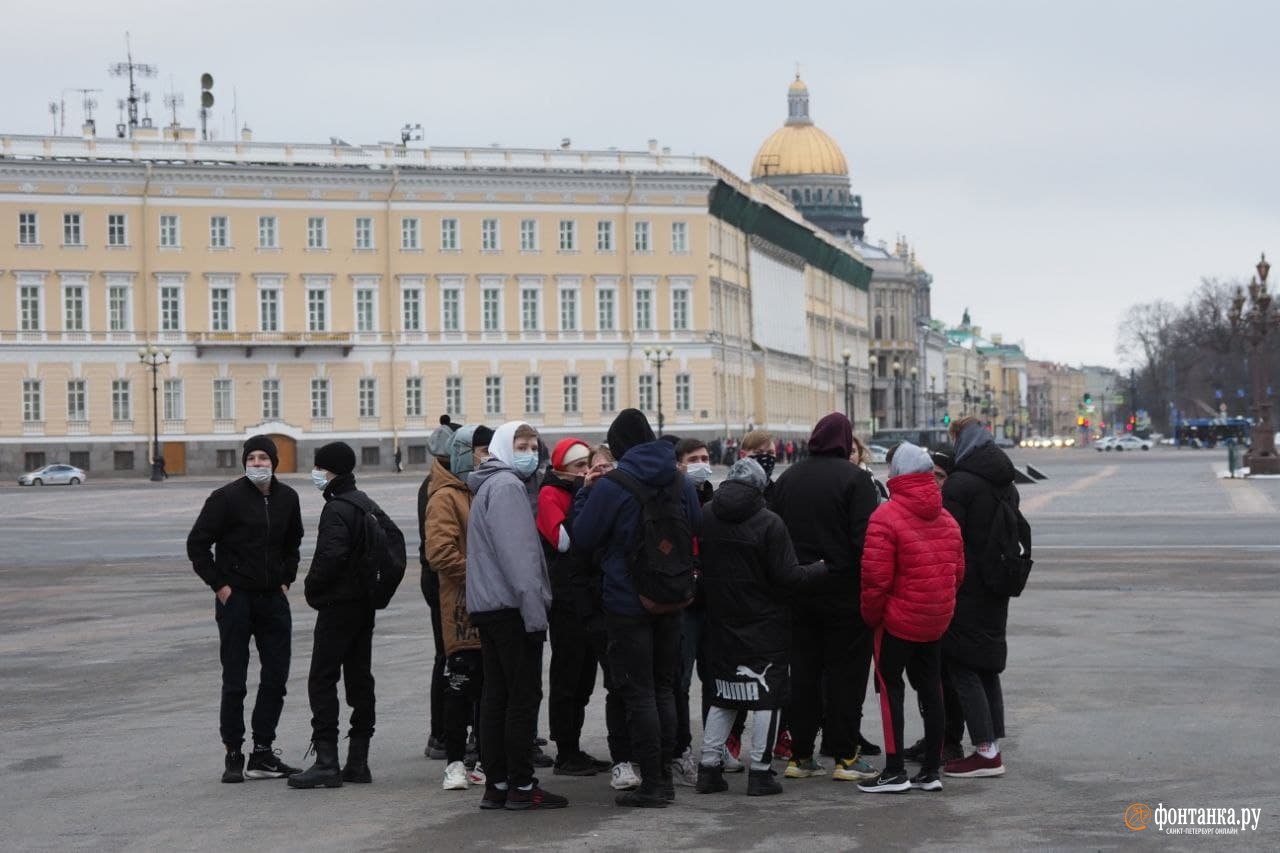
(897, 393)
(152, 357)
(659, 356)
(1254, 325)
(873, 361)
(915, 396)
(848, 399)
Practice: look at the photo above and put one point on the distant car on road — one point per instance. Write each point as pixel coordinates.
(1005, 441)
(1106, 443)
(878, 453)
(53, 475)
(1132, 442)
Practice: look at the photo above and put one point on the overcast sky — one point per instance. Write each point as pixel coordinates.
(1052, 162)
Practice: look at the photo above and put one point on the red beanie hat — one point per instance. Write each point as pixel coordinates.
(564, 454)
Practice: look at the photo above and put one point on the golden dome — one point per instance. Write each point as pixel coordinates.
(797, 85)
(800, 149)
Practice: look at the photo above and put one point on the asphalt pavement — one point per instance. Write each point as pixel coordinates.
(1143, 668)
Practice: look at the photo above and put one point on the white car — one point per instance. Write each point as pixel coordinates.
(1132, 442)
(1106, 443)
(52, 475)
(878, 453)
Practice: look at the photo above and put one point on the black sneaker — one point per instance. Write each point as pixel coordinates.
(867, 747)
(641, 799)
(266, 764)
(234, 771)
(763, 783)
(493, 798)
(888, 782)
(574, 764)
(952, 752)
(711, 780)
(598, 763)
(534, 798)
(926, 780)
(435, 748)
(538, 758)
(915, 752)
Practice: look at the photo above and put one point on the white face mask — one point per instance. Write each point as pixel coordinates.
(319, 479)
(699, 472)
(257, 476)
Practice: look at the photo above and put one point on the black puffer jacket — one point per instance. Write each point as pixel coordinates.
(976, 637)
(748, 564)
(245, 539)
(332, 578)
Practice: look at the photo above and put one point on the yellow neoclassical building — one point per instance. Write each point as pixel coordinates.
(321, 292)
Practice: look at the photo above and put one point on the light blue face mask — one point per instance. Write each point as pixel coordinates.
(525, 464)
(318, 479)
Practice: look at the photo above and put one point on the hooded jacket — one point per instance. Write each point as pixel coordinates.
(564, 563)
(912, 563)
(506, 570)
(606, 516)
(332, 578)
(448, 508)
(748, 568)
(983, 472)
(245, 539)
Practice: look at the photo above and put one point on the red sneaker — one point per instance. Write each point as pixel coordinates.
(975, 766)
(782, 749)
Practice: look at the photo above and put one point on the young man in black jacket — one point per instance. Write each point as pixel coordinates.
(244, 545)
(343, 644)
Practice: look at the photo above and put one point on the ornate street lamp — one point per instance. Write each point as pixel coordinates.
(872, 362)
(152, 357)
(897, 393)
(915, 396)
(659, 356)
(1253, 324)
(848, 404)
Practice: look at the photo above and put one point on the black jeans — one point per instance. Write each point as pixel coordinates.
(431, 592)
(343, 647)
(464, 683)
(644, 653)
(922, 663)
(615, 709)
(982, 700)
(953, 725)
(573, 678)
(830, 663)
(265, 617)
(509, 702)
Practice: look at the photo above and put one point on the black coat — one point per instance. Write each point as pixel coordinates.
(976, 637)
(748, 565)
(332, 578)
(245, 539)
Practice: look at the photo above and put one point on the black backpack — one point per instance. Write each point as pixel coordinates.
(379, 550)
(1007, 561)
(663, 562)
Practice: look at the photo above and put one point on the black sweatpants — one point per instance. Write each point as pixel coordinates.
(464, 683)
(431, 592)
(343, 647)
(265, 618)
(830, 664)
(922, 663)
(953, 727)
(982, 699)
(509, 700)
(644, 652)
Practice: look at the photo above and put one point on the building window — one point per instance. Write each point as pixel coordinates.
(532, 394)
(366, 309)
(220, 309)
(448, 235)
(370, 456)
(170, 309)
(28, 229)
(684, 393)
(173, 408)
(644, 310)
(368, 393)
(410, 233)
(645, 396)
(413, 397)
(320, 398)
(222, 401)
(226, 459)
(29, 308)
(490, 237)
(317, 238)
(493, 395)
(492, 309)
(32, 401)
(77, 402)
(268, 233)
(270, 399)
(72, 233)
(118, 308)
(453, 396)
(269, 309)
(80, 459)
(568, 235)
(569, 309)
(571, 404)
(33, 459)
(606, 309)
(879, 328)
(604, 235)
(608, 393)
(117, 229)
(73, 308)
(530, 309)
(451, 309)
(528, 235)
(364, 232)
(411, 308)
(121, 405)
(417, 454)
(122, 460)
(679, 237)
(170, 233)
(680, 309)
(642, 235)
(317, 310)
(219, 238)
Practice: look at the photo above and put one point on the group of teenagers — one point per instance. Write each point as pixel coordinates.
(794, 587)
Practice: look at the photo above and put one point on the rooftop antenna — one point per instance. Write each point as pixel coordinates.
(172, 101)
(132, 70)
(87, 102)
(121, 127)
(146, 109)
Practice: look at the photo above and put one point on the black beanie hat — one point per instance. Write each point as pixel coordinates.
(260, 442)
(336, 457)
(481, 436)
(628, 429)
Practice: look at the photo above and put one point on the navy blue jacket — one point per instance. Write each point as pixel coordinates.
(606, 516)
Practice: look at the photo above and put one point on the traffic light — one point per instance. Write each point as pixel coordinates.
(1086, 423)
(946, 418)
(1129, 426)
(1088, 399)
(1080, 421)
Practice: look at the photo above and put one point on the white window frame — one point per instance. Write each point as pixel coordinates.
(274, 284)
(413, 397)
(227, 283)
(219, 231)
(684, 392)
(569, 235)
(606, 236)
(493, 395)
(271, 397)
(28, 223)
(681, 293)
(364, 234)
(30, 293)
(611, 289)
(487, 289)
(413, 291)
(311, 287)
(642, 298)
(530, 323)
(571, 394)
(450, 236)
(125, 286)
(642, 236)
(569, 295)
(680, 237)
(117, 231)
(317, 233)
(321, 398)
(224, 399)
(79, 283)
(169, 231)
(369, 290)
(268, 232)
(410, 234)
(173, 399)
(608, 393)
(452, 322)
(533, 394)
(121, 400)
(32, 401)
(73, 226)
(367, 396)
(646, 393)
(178, 287)
(453, 396)
(77, 400)
(490, 235)
(528, 235)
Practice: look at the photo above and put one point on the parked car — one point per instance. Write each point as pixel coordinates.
(878, 453)
(53, 475)
(1106, 443)
(1132, 442)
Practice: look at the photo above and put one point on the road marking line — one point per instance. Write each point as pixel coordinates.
(1040, 501)
(1244, 496)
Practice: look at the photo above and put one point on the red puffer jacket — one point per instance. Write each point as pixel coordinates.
(912, 562)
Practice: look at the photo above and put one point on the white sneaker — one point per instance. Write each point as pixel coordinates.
(684, 770)
(731, 764)
(476, 775)
(625, 778)
(455, 776)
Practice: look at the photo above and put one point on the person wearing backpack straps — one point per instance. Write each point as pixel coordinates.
(644, 516)
(343, 640)
(974, 648)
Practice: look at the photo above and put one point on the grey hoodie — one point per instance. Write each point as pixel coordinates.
(505, 564)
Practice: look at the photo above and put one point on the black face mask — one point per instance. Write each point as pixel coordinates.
(767, 461)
